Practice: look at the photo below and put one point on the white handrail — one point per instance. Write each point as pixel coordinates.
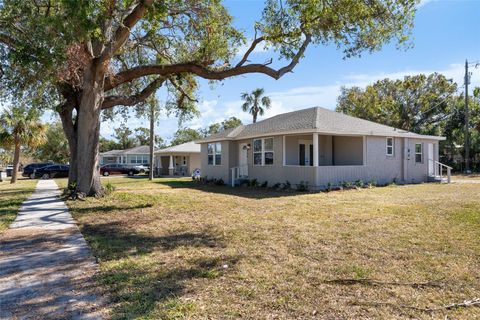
(439, 170)
(238, 172)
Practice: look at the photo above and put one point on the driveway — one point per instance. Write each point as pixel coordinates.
(46, 268)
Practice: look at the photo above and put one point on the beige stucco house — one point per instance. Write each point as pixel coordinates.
(178, 160)
(321, 147)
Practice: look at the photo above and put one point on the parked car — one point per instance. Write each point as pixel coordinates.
(29, 170)
(113, 168)
(142, 168)
(9, 170)
(52, 171)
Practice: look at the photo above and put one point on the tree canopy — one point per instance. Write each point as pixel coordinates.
(424, 104)
(417, 103)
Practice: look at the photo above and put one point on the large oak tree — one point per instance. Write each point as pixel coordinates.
(88, 56)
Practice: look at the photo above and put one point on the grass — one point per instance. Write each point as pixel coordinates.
(170, 249)
(11, 198)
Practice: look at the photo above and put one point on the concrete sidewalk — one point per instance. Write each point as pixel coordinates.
(46, 268)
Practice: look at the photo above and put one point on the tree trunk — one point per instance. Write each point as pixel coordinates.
(69, 128)
(16, 162)
(88, 132)
(254, 117)
(152, 139)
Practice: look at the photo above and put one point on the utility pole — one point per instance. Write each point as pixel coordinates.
(152, 139)
(467, 142)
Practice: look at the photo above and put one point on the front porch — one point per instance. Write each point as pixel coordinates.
(172, 165)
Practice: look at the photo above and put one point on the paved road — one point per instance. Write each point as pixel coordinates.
(46, 269)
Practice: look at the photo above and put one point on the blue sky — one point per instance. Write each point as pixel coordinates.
(444, 35)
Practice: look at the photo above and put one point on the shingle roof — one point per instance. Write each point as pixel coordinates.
(188, 147)
(134, 150)
(314, 119)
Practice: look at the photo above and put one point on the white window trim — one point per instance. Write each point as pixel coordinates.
(262, 151)
(215, 152)
(392, 146)
(420, 153)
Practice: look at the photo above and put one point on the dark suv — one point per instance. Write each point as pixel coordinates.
(29, 170)
(113, 168)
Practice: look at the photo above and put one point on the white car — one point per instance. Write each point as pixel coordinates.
(142, 168)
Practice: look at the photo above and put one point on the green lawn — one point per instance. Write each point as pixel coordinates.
(11, 197)
(171, 249)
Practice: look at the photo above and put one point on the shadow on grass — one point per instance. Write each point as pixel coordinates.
(145, 287)
(107, 209)
(242, 191)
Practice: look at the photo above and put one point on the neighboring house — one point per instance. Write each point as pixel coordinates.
(135, 155)
(319, 147)
(178, 160)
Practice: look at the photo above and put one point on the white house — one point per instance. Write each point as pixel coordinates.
(178, 160)
(135, 155)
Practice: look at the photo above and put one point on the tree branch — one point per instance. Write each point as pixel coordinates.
(202, 71)
(7, 40)
(179, 88)
(123, 31)
(247, 53)
(116, 100)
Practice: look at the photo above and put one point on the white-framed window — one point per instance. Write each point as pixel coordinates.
(390, 146)
(418, 153)
(214, 154)
(139, 159)
(184, 160)
(263, 152)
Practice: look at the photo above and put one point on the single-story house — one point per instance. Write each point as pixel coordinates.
(319, 147)
(135, 155)
(179, 160)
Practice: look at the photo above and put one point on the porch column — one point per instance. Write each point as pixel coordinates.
(170, 166)
(315, 149)
(284, 151)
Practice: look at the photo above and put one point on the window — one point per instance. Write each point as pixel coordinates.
(390, 146)
(263, 151)
(214, 154)
(184, 161)
(418, 153)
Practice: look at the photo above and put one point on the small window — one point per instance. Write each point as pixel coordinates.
(214, 154)
(263, 151)
(418, 153)
(184, 161)
(390, 146)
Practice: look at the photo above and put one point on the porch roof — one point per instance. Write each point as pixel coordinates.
(312, 120)
(188, 147)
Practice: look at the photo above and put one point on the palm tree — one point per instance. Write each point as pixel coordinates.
(20, 126)
(254, 103)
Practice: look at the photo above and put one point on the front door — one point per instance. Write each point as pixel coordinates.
(305, 156)
(243, 160)
(431, 161)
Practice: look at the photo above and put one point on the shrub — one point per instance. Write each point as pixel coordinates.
(359, 183)
(264, 184)
(109, 188)
(347, 185)
(329, 187)
(302, 186)
(287, 185)
(218, 182)
(253, 183)
(277, 186)
(372, 183)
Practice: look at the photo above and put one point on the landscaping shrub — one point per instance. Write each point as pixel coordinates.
(302, 186)
(109, 188)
